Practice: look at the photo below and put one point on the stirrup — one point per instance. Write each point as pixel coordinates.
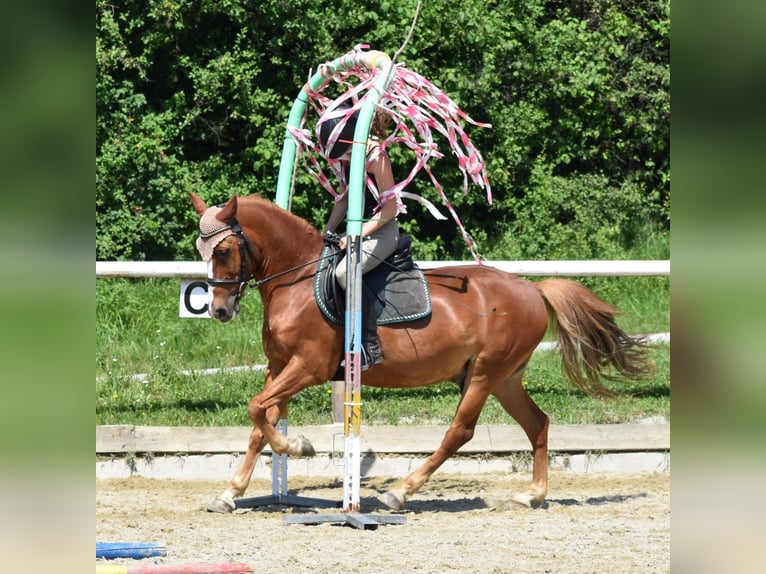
(370, 359)
(367, 362)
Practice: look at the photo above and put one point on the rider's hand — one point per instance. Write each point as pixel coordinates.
(332, 239)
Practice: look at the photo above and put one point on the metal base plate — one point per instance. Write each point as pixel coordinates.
(287, 500)
(360, 521)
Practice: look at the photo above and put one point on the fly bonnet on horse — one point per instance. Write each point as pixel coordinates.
(211, 232)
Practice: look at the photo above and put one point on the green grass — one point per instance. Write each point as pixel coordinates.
(138, 331)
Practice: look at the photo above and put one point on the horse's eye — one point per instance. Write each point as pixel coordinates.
(222, 253)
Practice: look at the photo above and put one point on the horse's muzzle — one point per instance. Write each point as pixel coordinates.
(225, 313)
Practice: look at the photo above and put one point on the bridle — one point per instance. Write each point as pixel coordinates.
(245, 248)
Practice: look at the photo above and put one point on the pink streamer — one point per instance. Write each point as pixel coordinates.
(409, 99)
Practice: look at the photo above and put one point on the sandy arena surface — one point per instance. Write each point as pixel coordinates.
(605, 523)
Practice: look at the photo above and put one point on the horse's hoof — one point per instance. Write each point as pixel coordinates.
(221, 506)
(514, 503)
(301, 446)
(307, 449)
(522, 500)
(528, 500)
(391, 500)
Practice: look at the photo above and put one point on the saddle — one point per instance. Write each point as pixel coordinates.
(396, 288)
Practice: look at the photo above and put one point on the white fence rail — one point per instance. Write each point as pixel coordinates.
(198, 269)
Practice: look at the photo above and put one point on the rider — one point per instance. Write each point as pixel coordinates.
(382, 203)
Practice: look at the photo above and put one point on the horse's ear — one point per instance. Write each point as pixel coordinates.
(198, 203)
(226, 215)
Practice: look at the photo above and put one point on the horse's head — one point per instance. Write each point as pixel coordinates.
(229, 256)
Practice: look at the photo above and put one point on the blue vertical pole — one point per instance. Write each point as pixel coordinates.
(353, 329)
(357, 182)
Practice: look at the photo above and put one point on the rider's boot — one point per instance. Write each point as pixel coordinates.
(372, 354)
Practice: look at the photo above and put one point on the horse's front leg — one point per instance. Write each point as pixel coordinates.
(224, 503)
(290, 381)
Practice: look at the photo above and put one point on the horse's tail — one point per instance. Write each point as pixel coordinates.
(592, 345)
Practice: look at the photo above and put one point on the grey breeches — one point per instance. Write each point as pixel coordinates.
(375, 248)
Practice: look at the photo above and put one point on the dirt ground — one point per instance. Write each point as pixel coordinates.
(605, 523)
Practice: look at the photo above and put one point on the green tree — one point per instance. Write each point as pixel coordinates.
(194, 95)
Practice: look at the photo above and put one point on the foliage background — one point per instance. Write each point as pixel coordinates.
(195, 94)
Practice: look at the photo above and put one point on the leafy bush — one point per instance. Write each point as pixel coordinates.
(194, 95)
(578, 217)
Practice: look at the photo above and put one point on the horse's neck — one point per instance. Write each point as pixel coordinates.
(285, 239)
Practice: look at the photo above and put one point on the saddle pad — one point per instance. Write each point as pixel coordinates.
(403, 295)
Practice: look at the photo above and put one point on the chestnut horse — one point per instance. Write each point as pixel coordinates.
(484, 327)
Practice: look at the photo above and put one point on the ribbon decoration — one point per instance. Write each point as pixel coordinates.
(417, 109)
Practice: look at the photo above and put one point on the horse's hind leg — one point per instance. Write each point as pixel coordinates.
(534, 422)
(460, 432)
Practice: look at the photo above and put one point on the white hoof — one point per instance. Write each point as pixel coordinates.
(300, 446)
(391, 500)
(221, 506)
(528, 500)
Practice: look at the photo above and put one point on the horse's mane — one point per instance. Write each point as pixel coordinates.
(291, 238)
(302, 226)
